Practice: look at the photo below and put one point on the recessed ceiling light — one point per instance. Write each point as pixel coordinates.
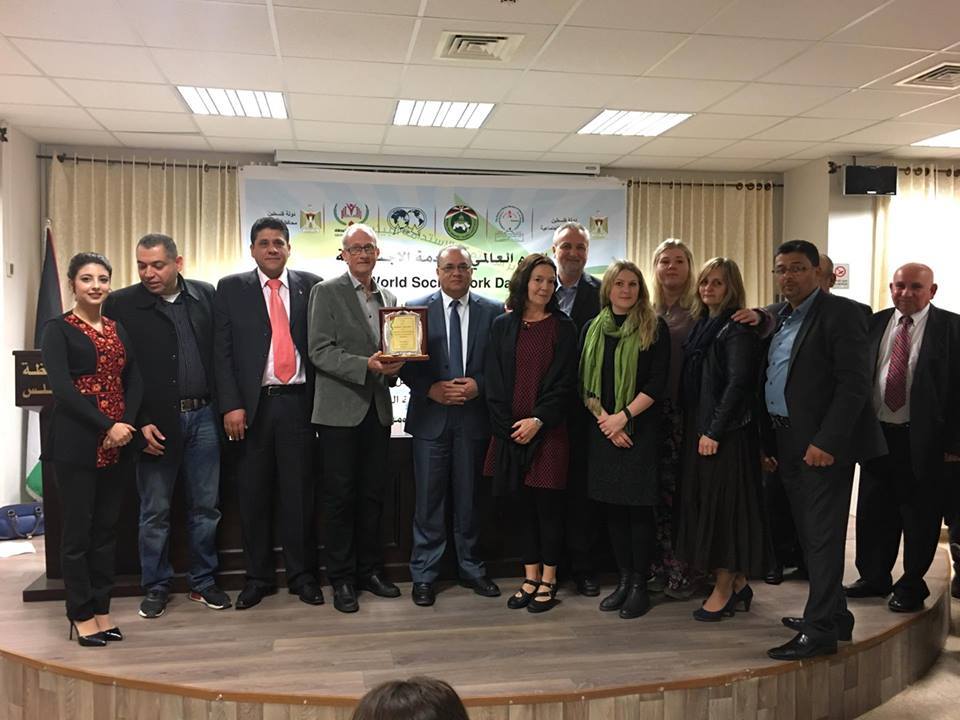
(632, 122)
(441, 113)
(234, 103)
(947, 140)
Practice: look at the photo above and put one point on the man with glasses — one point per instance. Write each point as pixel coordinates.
(353, 412)
(448, 420)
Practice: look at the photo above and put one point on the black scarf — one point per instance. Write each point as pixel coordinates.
(695, 348)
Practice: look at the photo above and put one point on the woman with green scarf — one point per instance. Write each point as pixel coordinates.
(624, 365)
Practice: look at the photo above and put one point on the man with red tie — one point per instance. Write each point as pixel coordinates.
(265, 380)
(916, 394)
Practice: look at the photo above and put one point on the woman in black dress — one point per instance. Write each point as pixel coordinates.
(96, 392)
(624, 364)
(530, 374)
(721, 526)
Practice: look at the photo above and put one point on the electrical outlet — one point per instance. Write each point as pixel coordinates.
(10, 270)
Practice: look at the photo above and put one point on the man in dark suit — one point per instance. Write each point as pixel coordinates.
(447, 417)
(916, 395)
(578, 294)
(265, 382)
(170, 323)
(816, 391)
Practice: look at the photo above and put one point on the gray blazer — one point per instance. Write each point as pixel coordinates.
(339, 341)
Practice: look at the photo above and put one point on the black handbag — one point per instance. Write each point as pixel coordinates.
(21, 522)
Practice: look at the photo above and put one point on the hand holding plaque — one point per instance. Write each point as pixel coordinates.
(403, 334)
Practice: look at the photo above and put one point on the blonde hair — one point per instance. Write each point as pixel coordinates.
(735, 297)
(688, 294)
(642, 313)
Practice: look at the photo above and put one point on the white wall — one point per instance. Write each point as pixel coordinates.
(20, 248)
(806, 203)
(850, 238)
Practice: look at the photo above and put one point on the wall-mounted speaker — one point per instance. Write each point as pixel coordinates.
(869, 179)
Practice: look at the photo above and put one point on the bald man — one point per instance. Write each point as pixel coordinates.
(916, 394)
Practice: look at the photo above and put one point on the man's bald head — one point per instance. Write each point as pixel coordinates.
(912, 288)
(828, 278)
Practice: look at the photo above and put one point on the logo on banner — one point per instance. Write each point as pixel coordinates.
(310, 220)
(509, 220)
(407, 221)
(599, 226)
(461, 222)
(350, 213)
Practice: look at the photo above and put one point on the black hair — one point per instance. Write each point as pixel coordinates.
(800, 246)
(85, 258)
(518, 297)
(268, 223)
(151, 240)
(419, 698)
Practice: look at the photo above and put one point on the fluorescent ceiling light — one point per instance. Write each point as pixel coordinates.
(441, 113)
(947, 140)
(631, 122)
(234, 103)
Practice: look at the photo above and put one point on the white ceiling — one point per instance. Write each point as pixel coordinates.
(774, 83)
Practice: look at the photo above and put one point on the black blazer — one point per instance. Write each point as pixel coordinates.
(77, 424)
(934, 392)
(154, 341)
(829, 381)
(586, 304)
(728, 382)
(242, 337)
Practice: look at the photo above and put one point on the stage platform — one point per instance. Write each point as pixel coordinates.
(286, 660)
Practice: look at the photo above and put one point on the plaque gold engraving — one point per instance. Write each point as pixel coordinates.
(403, 333)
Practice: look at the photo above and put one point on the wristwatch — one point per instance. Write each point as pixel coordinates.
(538, 421)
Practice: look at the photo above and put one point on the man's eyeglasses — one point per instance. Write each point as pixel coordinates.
(790, 270)
(450, 267)
(369, 249)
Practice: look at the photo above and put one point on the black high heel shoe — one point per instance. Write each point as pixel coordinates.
(112, 634)
(522, 598)
(704, 615)
(744, 597)
(96, 640)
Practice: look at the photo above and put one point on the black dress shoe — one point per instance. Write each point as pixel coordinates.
(587, 586)
(844, 631)
(637, 602)
(862, 589)
(345, 598)
(423, 594)
(774, 576)
(252, 594)
(378, 586)
(955, 586)
(615, 600)
(309, 593)
(905, 604)
(481, 586)
(802, 647)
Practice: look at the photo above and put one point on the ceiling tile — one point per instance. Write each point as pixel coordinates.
(323, 34)
(342, 77)
(673, 95)
(898, 133)
(780, 165)
(947, 111)
(812, 129)
(340, 108)
(574, 89)
(922, 152)
(762, 149)
(613, 52)
(545, 118)
(668, 15)
(125, 96)
(13, 62)
(767, 99)
(212, 69)
(92, 62)
(840, 148)
(394, 7)
(549, 13)
(139, 121)
(429, 137)
(32, 91)
(162, 141)
(872, 104)
(431, 31)
(680, 147)
(485, 154)
(598, 158)
(809, 20)
(434, 82)
(725, 58)
(47, 116)
(261, 128)
(194, 25)
(337, 147)
(90, 20)
(841, 65)
(333, 132)
(653, 162)
(230, 144)
(927, 62)
(64, 136)
(708, 125)
(515, 140)
(607, 144)
(731, 164)
(927, 24)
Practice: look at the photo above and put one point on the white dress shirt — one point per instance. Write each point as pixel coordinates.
(464, 311)
(269, 377)
(884, 413)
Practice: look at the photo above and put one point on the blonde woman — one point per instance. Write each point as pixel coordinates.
(624, 362)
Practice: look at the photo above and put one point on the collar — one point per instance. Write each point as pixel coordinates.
(802, 308)
(574, 286)
(465, 300)
(917, 316)
(284, 278)
(356, 284)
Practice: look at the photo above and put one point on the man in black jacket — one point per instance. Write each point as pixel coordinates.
(170, 323)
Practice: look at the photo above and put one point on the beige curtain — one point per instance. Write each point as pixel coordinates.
(921, 223)
(733, 219)
(107, 206)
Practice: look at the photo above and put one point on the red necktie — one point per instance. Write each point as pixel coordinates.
(895, 393)
(284, 358)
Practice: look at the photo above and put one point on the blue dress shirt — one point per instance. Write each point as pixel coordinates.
(778, 356)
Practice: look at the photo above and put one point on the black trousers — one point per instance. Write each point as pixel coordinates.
(820, 502)
(354, 476)
(951, 510)
(633, 533)
(91, 500)
(894, 501)
(275, 471)
(583, 515)
(540, 523)
(784, 545)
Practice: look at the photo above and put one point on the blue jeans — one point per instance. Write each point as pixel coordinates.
(199, 466)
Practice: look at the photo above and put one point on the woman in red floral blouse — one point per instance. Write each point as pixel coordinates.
(97, 391)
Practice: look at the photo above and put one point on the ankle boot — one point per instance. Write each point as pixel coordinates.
(614, 601)
(637, 602)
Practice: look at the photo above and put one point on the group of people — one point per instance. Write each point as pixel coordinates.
(651, 409)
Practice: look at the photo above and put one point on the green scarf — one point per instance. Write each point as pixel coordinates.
(624, 361)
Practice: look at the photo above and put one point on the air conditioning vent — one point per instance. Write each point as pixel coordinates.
(483, 47)
(945, 76)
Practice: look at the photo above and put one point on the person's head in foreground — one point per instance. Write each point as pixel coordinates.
(419, 698)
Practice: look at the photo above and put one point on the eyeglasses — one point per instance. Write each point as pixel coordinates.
(791, 270)
(369, 249)
(462, 267)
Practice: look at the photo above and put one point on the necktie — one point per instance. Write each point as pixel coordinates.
(456, 341)
(895, 393)
(284, 358)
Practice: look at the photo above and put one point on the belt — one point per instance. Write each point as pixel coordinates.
(273, 390)
(894, 426)
(191, 404)
(780, 421)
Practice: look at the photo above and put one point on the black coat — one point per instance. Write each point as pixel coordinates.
(729, 379)
(586, 304)
(77, 425)
(155, 343)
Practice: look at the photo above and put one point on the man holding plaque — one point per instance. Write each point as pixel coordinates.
(448, 420)
(353, 411)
